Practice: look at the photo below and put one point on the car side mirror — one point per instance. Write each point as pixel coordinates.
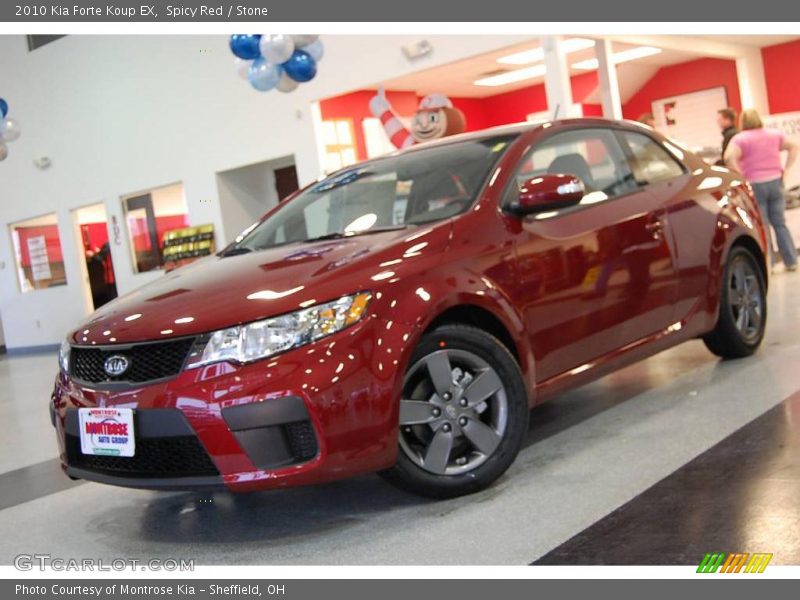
(548, 192)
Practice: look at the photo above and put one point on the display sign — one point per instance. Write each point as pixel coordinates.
(107, 431)
(789, 124)
(186, 244)
(692, 119)
(40, 262)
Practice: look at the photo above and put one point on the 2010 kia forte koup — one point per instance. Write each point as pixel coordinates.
(404, 314)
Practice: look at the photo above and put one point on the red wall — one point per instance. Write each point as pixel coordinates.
(96, 234)
(683, 78)
(141, 242)
(783, 76)
(355, 106)
(480, 113)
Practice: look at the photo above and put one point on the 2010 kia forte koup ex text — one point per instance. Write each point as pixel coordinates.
(404, 314)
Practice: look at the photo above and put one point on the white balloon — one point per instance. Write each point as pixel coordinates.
(9, 129)
(304, 40)
(286, 84)
(276, 48)
(242, 67)
(3, 151)
(316, 50)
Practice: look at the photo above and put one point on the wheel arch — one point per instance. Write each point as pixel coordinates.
(468, 313)
(750, 244)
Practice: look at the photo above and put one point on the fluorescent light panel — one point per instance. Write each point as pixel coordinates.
(619, 57)
(537, 54)
(512, 76)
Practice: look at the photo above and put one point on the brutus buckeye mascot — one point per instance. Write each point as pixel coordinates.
(435, 118)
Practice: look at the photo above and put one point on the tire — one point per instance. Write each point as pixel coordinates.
(463, 416)
(743, 307)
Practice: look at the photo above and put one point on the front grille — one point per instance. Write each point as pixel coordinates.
(302, 440)
(147, 362)
(181, 456)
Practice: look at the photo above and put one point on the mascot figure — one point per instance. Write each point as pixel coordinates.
(435, 118)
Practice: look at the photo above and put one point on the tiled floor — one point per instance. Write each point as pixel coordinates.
(588, 453)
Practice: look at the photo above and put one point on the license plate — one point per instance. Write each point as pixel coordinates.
(107, 431)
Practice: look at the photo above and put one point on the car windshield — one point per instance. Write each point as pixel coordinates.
(388, 193)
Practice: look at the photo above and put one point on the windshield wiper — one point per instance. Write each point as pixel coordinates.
(237, 250)
(338, 235)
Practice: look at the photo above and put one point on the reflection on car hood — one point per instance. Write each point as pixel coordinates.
(218, 292)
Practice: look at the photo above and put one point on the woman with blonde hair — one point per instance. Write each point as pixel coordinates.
(756, 153)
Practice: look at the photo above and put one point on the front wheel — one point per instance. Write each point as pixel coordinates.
(742, 310)
(463, 414)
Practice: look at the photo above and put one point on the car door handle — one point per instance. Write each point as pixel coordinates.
(655, 228)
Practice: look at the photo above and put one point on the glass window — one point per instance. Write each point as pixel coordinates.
(340, 144)
(37, 249)
(412, 188)
(651, 162)
(150, 216)
(593, 155)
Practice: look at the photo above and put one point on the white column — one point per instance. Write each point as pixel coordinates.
(609, 86)
(752, 84)
(556, 78)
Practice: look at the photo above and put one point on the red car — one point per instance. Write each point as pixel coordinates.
(404, 314)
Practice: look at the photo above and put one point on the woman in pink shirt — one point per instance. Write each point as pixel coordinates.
(756, 154)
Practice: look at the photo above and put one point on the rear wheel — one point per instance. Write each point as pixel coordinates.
(743, 308)
(463, 414)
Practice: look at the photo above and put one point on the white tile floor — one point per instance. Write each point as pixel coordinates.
(588, 452)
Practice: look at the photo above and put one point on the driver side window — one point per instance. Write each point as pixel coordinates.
(593, 155)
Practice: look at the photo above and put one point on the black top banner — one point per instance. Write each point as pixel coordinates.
(716, 11)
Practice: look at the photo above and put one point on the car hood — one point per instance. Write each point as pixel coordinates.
(217, 292)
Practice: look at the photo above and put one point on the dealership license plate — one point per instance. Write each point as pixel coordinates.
(107, 431)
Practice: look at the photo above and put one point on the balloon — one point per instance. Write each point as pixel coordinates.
(245, 46)
(286, 84)
(263, 75)
(301, 67)
(3, 108)
(3, 151)
(242, 67)
(9, 130)
(316, 50)
(304, 40)
(276, 48)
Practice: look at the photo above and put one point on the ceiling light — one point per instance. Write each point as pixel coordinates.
(619, 57)
(512, 76)
(537, 54)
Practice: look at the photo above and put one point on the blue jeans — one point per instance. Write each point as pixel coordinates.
(772, 201)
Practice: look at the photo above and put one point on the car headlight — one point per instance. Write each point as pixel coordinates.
(63, 356)
(260, 339)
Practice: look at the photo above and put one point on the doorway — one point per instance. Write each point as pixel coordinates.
(91, 229)
(247, 192)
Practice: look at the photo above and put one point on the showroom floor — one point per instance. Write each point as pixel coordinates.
(633, 469)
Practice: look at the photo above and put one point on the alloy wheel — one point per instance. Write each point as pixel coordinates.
(746, 299)
(453, 413)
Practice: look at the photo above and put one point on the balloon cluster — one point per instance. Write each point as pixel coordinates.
(275, 60)
(9, 129)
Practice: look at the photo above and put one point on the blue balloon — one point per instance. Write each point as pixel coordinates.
(3, 108)
(301, 66)
(245, 46)
(263, 76)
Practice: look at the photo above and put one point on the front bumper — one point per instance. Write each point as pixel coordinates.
(321, 412)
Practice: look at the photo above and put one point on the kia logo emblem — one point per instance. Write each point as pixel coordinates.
(116, 365)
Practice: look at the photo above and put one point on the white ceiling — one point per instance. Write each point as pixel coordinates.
(758, 41)
(456, 79)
